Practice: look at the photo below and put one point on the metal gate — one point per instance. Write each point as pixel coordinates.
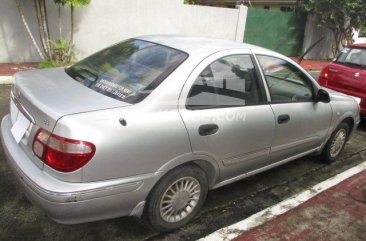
(279, 31)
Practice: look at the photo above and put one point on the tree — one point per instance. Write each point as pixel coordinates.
(72, 4)
(60, 51)
(60, 4)
(193, 2)
(44, 32)
(21, 12)
(340, 16)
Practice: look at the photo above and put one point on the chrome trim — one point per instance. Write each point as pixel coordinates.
(333, 70)
(21, 108)
(265, 168)
(263, 78)
(246, 157)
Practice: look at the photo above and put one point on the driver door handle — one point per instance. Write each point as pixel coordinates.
(208, 129)
(283, 119)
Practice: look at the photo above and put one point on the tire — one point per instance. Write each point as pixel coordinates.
(336, 143)
(169, 205)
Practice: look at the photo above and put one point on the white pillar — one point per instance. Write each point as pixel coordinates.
(240, 25)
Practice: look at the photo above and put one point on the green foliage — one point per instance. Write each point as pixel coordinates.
(362, 32)
(60, 2)
(62, 52)
(50, 64)
(340, 16)
(193, 2)
(53, 53)
(336, 14)
(73, 3)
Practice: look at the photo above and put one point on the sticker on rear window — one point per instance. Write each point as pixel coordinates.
(113, 88)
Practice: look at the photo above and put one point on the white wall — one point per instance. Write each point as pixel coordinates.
(105, 22)
(15, 44)
(357, 39)
(312, 34)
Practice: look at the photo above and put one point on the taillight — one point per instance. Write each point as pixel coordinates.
(323, 77)
(62, 154)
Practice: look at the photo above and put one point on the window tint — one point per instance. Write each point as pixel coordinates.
(286, 82)
(229, 81)
(353, 57)
(127, 71)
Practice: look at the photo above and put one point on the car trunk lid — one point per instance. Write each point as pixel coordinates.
(47, 95)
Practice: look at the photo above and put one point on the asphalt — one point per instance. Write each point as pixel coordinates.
(20, 220)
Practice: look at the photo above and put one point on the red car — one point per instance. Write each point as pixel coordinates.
(347, 74)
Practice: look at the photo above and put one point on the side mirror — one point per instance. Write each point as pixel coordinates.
(323, 96)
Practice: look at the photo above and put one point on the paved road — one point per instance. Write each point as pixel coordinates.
(314, 73)
(20, 220)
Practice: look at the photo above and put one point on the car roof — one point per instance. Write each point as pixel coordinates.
(198, 45)
(357, 46)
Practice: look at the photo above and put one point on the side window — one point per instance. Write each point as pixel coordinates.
(227, 82)
(286, 82)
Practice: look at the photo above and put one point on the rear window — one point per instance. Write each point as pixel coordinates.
(127, 71)
(352, 56)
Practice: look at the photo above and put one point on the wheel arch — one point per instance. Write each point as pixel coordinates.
(347, 118)
(205, 162)
(351, 124)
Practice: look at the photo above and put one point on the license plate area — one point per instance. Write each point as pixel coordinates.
(13, 111)
(20, 127)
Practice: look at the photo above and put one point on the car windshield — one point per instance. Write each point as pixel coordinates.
(352, 56)
(127, 71)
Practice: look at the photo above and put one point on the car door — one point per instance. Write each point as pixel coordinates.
(227, 114)
(301, 122)
(348, 73)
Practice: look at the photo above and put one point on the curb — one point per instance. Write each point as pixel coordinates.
(268, 214)
(6, 80)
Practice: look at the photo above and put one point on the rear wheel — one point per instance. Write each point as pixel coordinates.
(177, 198)
(336, 143)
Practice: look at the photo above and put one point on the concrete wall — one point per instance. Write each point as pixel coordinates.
(15, 44)
(312, 34)
(105, 22)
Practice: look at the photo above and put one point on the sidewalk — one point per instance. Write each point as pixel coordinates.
(8, 69)
(332, 210)
(338, 213)
(309, 64)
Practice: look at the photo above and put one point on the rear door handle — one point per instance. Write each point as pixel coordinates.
(208, 129)
(283, 119)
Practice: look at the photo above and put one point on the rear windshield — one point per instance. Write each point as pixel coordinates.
(352, 56)
(127, 71)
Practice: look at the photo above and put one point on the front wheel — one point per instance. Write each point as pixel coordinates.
(177, 198)
(336, 143)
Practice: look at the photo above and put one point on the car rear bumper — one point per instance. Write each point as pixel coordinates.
(71, 203)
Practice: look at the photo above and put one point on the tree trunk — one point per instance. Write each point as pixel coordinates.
(338, 37)
(44, 25)
(72, 25)
(40, 29)
(59, 20)
(71, 43)
(28, 30)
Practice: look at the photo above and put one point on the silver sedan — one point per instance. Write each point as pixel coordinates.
(149, 125)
